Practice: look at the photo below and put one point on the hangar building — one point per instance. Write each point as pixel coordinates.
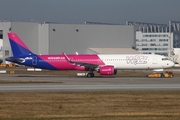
(55, 38)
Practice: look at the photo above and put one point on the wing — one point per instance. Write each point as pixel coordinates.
(86, 65)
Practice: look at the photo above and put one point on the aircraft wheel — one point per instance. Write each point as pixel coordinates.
(90, 75)
(162, 75)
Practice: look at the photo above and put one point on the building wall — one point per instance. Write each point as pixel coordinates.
(159, 43)
(28, 32)
(6, 49)
(43, 39)
(176, 39)
(69, 38)
(72, 38)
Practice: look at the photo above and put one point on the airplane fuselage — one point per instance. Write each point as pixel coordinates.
(127, 61)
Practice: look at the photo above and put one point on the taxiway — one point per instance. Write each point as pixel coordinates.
(59, 83)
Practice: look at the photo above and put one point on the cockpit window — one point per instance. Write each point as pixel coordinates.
(164, 59)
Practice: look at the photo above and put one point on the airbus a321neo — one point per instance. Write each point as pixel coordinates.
(104, 64)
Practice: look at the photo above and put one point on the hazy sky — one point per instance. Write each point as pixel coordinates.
(79, 11)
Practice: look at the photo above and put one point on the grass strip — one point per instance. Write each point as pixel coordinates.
(129, 105)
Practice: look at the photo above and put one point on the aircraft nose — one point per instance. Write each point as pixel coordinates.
(171, 63)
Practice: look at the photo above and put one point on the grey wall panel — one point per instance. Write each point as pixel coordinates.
(1, 25)
(43, 39)
(6, 44)
(72, 38)
(28, 32)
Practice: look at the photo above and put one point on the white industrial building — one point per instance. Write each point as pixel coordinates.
(157, 38)
(159, 43)
(55, 38)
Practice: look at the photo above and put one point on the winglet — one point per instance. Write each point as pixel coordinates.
(66, 57)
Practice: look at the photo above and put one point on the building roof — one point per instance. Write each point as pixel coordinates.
(114, 50)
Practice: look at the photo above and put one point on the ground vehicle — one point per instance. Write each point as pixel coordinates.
(167, 74)
(10, 65)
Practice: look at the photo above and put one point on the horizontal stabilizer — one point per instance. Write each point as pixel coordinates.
(15, 60)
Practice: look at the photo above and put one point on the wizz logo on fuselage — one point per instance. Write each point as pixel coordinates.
(136, 59)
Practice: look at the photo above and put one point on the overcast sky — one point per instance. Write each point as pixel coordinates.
(79, 11)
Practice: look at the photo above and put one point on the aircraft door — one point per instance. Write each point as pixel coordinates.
(34, 60)
(154, 59)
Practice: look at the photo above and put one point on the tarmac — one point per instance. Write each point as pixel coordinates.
(47, 83)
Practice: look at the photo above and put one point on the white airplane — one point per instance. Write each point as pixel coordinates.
(105, 64)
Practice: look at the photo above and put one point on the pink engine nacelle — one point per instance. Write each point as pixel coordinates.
(107, 70)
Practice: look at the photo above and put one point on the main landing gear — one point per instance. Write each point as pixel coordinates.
(90, 74)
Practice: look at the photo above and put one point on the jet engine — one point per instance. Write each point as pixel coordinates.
(107, 70)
